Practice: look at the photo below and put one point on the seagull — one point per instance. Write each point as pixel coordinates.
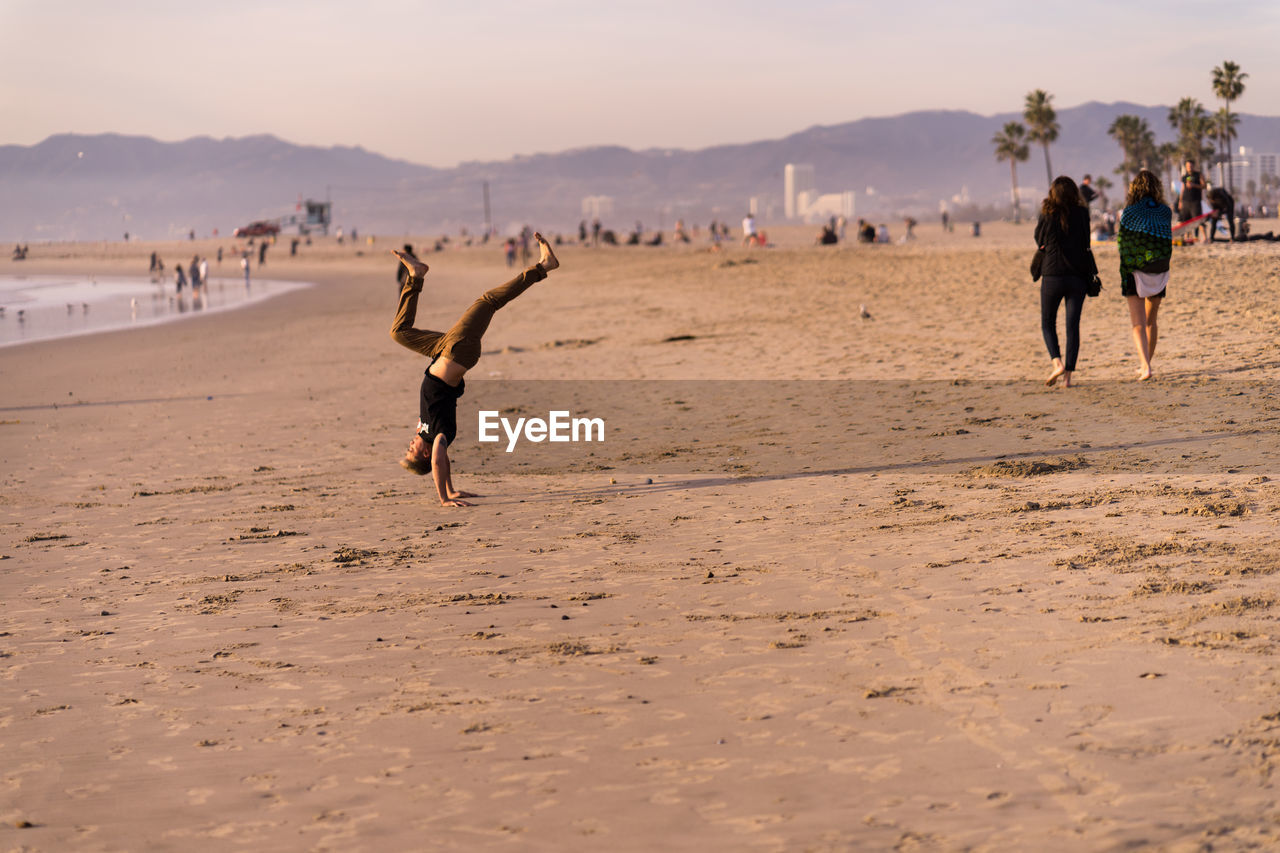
(863, 312)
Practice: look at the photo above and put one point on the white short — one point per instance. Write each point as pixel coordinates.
(1148, 284)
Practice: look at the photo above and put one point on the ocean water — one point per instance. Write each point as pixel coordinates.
(41, 307)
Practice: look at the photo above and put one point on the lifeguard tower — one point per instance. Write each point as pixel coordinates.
(310, 216)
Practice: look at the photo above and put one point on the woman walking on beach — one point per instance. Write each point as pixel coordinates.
(1063, 233)
(452, 354)
(1145, 241)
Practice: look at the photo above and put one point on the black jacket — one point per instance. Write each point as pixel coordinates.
(1065, 253)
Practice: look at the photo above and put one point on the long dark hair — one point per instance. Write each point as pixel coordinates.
(1064, 196)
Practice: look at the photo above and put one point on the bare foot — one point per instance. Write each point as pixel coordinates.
(415, 266)
(1066, 379)
(1057, 371)
(1144, 374)
(546, 258)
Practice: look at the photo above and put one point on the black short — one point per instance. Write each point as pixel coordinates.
(1188, 211)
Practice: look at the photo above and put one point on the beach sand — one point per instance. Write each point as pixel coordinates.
(1010, 618)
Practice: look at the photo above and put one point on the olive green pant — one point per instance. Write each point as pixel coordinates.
(462, 342)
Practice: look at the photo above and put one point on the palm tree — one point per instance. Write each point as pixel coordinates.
(1201, 130)
(1103, 183)
(1228, 84)
(1168, 154)
(1224, 130)
(1042, 122)
(1011, 145)
(1148, 154)
(1136, 141)
(1188, 119)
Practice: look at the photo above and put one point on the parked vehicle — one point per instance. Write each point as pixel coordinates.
(261, 228)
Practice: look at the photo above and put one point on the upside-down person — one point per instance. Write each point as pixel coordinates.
(452, 354)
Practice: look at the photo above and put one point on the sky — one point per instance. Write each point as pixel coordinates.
(439, 83)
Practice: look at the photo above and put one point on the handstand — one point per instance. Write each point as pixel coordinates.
(452, 354)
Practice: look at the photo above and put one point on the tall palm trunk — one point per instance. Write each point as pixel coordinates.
(1222, 157)
(1226, 144)
(1017, 201)
(1048, 170)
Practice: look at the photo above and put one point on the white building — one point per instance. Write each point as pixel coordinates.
(1248, 165)
(797, 178)
(825, 206)
(801, 199)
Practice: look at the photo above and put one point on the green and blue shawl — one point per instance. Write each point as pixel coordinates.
(1145, 239)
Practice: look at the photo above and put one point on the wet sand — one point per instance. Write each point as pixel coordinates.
(229, 620)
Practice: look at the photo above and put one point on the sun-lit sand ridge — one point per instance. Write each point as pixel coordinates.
(229, 619)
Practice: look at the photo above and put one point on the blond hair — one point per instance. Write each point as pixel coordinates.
(416, 465)
(1145, 185)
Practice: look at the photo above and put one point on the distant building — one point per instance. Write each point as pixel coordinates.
(801, 199)
(597, 206)
(797, 178)
(830, 204)
(1248, 165)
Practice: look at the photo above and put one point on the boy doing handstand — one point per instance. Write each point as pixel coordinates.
(452, 354)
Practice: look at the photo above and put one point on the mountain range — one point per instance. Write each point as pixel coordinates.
(97, 187)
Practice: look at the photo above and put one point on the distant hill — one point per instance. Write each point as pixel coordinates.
(74, 187)
(77, 187)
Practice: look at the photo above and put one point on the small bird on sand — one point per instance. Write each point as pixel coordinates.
(863, 312)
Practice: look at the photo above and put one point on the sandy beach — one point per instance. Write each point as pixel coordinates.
(881, 589)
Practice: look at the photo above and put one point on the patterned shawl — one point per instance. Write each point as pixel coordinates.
(1145, 239)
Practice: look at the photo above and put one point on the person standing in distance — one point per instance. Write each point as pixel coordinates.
(1189, 200)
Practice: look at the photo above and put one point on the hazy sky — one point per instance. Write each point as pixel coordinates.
(439, 83)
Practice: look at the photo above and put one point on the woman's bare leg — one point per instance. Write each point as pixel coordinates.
(1153, 331)
(1138, 320)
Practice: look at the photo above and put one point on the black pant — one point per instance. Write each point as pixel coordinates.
(1054, 289)
(1229, 211)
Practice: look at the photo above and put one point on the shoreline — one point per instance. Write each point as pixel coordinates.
(179, 305)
